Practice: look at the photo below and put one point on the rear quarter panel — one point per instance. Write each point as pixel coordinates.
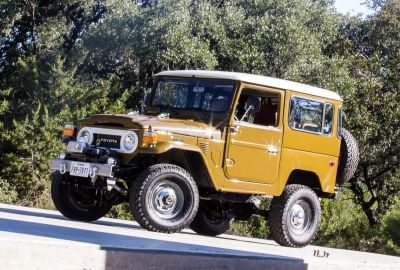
(308, 151)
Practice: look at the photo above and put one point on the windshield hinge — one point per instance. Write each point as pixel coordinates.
(163, 116)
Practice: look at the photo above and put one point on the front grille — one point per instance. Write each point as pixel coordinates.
(107, 141)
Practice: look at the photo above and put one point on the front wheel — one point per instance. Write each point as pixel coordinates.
(295, 216)
(74, 201)
(164, 198)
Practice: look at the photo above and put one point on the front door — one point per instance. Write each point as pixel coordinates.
(255, 138)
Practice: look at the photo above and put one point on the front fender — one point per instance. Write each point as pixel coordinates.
(163, 147)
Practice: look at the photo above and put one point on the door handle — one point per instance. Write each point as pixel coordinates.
(272, 149)
(234, 128)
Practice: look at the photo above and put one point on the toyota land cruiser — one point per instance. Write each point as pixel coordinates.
(207, 146)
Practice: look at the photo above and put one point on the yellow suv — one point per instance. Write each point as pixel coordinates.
(207, 146)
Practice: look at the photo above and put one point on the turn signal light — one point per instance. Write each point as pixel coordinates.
(150, 137)
(69, 130)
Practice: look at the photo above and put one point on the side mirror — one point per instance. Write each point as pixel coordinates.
(252, 104)
(145, 102)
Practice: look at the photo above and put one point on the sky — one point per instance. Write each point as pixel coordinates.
(351, 6)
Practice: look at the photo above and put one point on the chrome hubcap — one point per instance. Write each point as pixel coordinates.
(297, 216)
(167, 200)
(300, 216)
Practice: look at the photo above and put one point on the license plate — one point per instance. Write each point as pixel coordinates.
(79, 169)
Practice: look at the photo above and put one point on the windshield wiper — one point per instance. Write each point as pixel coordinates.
(165, 109)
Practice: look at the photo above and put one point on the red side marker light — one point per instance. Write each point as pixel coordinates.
(332, 164)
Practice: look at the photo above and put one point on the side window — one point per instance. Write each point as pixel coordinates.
(306, 115)
(258, 107)
(311, 116)
(328, 120)
(340, 116)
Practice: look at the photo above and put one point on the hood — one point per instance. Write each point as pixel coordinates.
(170, 125)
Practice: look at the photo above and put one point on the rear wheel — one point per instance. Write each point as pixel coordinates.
(74, 201)
(294, 216)
(164, 198)
(209, 221)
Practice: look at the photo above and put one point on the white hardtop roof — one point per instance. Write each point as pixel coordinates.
(254, 79)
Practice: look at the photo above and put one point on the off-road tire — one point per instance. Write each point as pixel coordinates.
(204, 225)
(140, 199)
(68, 207)
(279, 216)
(349, 158)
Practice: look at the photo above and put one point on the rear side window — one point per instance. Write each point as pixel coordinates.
(311, 116)
(306, 115)
(328, 119)
(340, 116)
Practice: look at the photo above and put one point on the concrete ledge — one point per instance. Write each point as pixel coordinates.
(44, 256)
(42, 239)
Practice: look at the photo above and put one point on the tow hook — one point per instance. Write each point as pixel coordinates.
(92, 175)
(112, 184)
(63, 168)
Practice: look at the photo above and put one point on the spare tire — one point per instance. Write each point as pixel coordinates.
(349, 158)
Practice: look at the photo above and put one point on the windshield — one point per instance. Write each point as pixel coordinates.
(192, 97)
(190, 93)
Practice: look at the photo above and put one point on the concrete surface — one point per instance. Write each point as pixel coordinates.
(41, 239)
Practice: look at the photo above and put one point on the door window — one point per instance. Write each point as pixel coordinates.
(258, 108)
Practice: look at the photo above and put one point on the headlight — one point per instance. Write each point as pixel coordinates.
(130, 142)
(84, 136)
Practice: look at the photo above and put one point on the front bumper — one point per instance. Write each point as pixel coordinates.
(96, 169)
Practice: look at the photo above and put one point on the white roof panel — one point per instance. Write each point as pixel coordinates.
(254, 79)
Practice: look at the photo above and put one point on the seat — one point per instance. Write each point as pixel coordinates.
(268, 114)
(219, 105)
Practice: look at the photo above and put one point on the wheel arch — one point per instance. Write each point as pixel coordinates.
(193, 162)
(306, 178)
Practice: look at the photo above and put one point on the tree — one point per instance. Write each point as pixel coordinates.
(372, 47)
(38, 27)
(61, 61)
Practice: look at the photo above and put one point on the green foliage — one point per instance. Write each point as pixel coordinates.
(7, 193)
(391, 225)
(343, 224)
(25, 157)
(254, 227)
(372, 49)
(45, 98)
(120, 211)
